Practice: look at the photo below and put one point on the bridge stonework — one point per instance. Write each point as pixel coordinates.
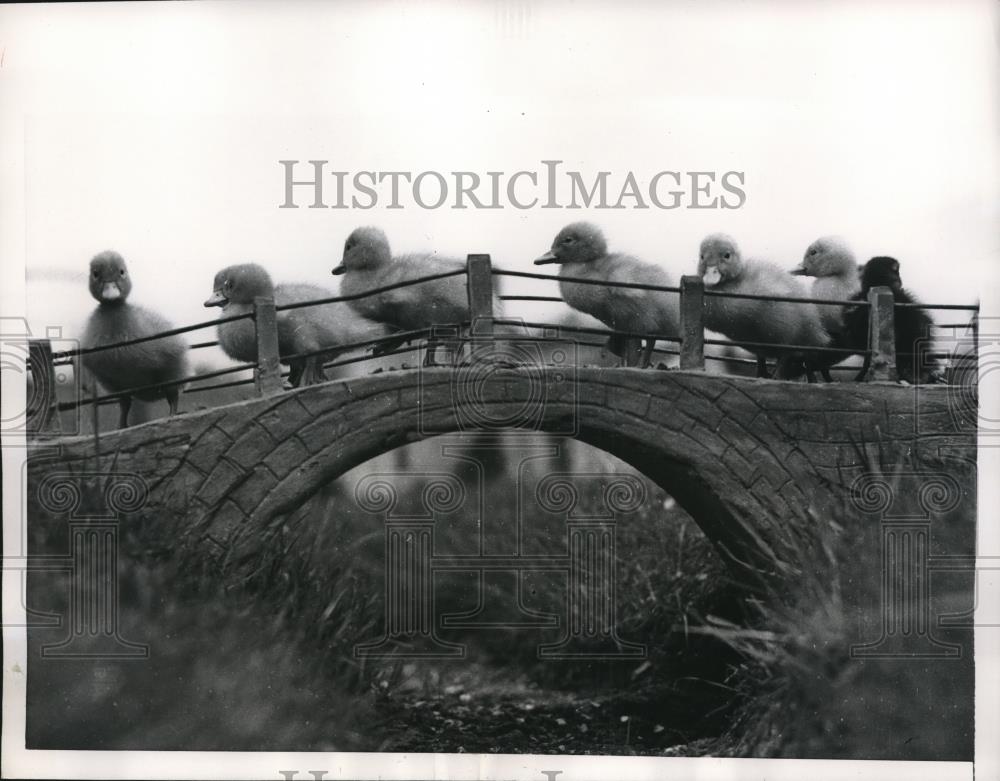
(759, 464)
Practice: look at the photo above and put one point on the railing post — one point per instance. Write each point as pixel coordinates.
(267, 375)
(480, 281)
(881, 335)
(692, 322)
(42, 404)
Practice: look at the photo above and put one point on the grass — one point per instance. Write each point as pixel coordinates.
(261, 658)
(800, 692)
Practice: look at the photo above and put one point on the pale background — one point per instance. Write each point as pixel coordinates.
(156, 131)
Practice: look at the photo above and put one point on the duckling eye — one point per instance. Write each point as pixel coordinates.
(568, 240)
(727, 255)
(812, 252)
(122, 272)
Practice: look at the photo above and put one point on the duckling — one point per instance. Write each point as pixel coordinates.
(835, 270)
(724, 269)
(582, 251)
(913, 365)
(299, 330)
(115, 320)
(837, 277)
(368, 263)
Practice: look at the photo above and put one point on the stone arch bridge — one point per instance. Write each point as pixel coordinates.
(758, 464)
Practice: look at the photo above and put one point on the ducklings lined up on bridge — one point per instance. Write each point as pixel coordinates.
(114, 321)
(302, 330)
(794, 332)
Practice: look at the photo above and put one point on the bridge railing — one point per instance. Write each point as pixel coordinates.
(43, 404)
(879, 355)
(690, 343)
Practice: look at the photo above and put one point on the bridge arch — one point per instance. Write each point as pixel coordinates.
(716, 456)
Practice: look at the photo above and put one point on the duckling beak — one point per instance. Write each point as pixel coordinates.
(548, 257)
(217, 299)
(339, 270)
(111, 292)
(799, 271)
(711, 277)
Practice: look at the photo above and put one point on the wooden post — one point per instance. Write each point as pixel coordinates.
(267, 375)
(42, 404)
(692, 322)
(975, 340)
(881, 335)
(480, 281)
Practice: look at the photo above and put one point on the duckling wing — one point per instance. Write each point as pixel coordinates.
(623, 309)
(312, 328)
(238, 339)
(646, 311)
(913, 341)
(438, 302)
(775, 322)
(838, 289)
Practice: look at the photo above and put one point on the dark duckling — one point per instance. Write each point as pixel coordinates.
(116, 320)
(914, 327)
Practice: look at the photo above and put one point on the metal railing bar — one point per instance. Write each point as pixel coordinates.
(360, 358)
(372, 292)
(417, 333)
(532, 298)
(141, 339)
(709, 293)
(786, 347)
(581, 281)
(157, 386)
(583, 330)
(959, 307)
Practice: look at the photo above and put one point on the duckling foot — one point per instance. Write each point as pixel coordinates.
(647, 354)
(124, 405)
(173, 399)
(430, 354)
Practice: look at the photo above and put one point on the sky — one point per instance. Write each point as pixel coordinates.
(157, 131)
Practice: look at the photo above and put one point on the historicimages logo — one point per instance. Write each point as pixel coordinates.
(547, 187)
